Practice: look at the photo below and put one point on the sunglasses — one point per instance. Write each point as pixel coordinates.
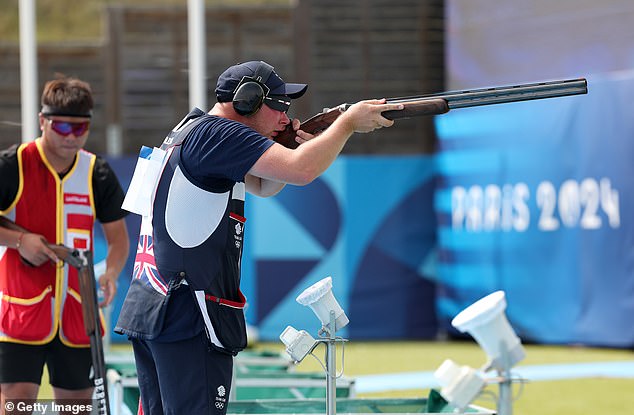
(277, 104)
(64, 128)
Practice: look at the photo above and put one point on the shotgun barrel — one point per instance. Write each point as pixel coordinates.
(436, 104)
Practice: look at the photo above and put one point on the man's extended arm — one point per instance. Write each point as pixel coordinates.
(31, 246)
(116, 234)
(302, 165)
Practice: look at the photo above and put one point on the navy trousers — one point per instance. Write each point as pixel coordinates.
(182, 377)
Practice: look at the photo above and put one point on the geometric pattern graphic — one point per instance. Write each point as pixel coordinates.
(388, 290)
(369, 224)
(294, 231)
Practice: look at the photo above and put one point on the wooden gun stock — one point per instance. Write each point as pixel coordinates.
(321, 121)
(436, 104)
(313, 125)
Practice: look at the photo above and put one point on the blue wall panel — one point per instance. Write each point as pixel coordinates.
(380, 211)
(534, 199)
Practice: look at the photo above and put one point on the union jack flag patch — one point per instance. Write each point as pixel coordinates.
(145, 265)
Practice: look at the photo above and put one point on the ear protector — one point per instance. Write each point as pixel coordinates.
(251, 91)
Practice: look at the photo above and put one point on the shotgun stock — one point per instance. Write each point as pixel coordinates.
(436, 104)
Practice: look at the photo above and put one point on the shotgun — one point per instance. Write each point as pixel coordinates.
(82, 260)
(436, 104)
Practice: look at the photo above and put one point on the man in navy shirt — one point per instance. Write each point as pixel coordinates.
(184, 309)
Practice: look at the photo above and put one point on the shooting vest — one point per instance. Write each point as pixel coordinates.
(36, 302)
(194, 235)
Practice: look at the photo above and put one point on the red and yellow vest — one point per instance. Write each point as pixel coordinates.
(37, 302)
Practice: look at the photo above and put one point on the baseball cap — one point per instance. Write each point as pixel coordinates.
(228, 82)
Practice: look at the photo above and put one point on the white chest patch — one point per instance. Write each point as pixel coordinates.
(192, 214)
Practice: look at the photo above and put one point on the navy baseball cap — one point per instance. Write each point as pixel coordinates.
(228, 82)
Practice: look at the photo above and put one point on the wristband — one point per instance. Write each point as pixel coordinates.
(19, 242)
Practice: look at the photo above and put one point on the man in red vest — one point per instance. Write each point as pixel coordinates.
(55, 190)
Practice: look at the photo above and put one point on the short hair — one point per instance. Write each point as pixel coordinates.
(67, 96)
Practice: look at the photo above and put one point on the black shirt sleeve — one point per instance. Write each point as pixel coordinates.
(9, 176)
(109, 194)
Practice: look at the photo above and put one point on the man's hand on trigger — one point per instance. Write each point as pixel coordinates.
(301, 136)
